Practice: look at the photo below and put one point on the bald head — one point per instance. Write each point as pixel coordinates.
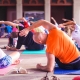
(40, 37)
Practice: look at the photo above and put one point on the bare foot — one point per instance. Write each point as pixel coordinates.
(16, 62)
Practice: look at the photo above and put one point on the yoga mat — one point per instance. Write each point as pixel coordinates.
(66, 72)
(6, 70)
(34, 52)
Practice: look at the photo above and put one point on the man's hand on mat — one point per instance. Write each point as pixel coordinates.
(40, 67)
(24, 32)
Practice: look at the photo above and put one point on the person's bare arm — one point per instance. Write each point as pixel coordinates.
(54, 20)
(69, 23)
(63, 25)
(46, 24)
(9, 23)
(38, 23)
(50, 64)
(66, 19)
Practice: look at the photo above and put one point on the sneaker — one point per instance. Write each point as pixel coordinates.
(22, 71)
(19, 71)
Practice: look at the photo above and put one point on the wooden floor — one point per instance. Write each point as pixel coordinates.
(29, 63)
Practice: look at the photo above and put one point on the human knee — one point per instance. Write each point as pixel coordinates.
(17, 53)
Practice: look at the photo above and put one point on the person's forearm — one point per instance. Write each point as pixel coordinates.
(44, 68)
(35, 25)
(53, 20)
(1, 22)
(13, 49)
(9, 23)
(68, 23)
(43, 23)
(66, 19)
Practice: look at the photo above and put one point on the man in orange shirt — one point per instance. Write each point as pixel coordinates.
(60, 47)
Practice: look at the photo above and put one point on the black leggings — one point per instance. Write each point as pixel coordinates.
(74, 65)
(10, 41)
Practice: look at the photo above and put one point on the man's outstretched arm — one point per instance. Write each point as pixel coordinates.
(47, 25)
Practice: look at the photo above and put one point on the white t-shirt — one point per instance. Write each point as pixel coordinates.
(15, 41)
(76, 34)
(2, 54)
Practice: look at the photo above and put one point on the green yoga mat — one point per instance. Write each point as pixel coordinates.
(34, 52)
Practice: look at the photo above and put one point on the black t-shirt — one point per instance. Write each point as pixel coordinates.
(28, 42)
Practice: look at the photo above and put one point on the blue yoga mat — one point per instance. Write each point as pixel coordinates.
(67, 72)
(34, 52)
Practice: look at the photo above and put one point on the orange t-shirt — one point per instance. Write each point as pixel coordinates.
(61, 45)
